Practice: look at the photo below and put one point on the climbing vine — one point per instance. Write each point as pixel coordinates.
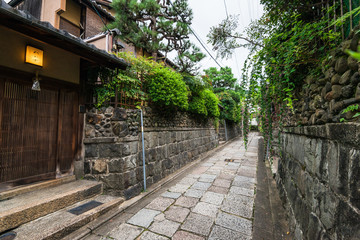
(285, 46)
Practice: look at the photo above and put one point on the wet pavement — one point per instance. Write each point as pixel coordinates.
(213, 200)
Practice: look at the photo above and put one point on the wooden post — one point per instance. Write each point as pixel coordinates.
(2, 90)
(351, 17)
(342, 13)
(334, 15)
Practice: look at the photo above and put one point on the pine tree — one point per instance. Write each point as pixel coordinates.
(154, 25)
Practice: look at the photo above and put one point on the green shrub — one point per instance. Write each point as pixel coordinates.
(197, 105)
(230, 107)
(211, 103)
(166, 88)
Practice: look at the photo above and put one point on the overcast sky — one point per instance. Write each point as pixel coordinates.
(210, 13)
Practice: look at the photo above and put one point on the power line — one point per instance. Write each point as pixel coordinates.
(197, 37)
(97, 12)
(227, 14)
(235, 54)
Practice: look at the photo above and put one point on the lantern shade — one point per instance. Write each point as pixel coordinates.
(34, 56)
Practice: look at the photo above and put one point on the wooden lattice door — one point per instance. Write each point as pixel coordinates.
(37, 132)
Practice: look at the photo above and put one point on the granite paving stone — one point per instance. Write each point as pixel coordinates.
(188, 181)
(143, 218)
(160, 203)
(244, 179)
(160, 217)
(200, 170)
(182, 235)
(234, 223)
(194, 193)
(217, 172)
(246, 173)
(234, 164)
(213, 198)
(207, 178)
(222, 183)
(207, 164)
(226, 176)
(174, 195)
(211, 176)
(206, 209)
(242, 191)
(177, 214)
(218, 189)
(165, 227)
(238, 205)
(198, 224)
(232, 167)
(151, 236)
(187, 202)
(242, 184)
(181, 188)
(195, 176)
(125, 232)
(221, 233)
(201, 186)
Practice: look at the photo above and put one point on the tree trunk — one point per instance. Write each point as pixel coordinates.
(154, 56)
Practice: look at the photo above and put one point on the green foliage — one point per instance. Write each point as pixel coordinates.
(220, 80)
(197, 105)
(355, 55)
(153, 25)
(230, 106)
(125, 81)
(211, 103)
(202, 101)
(166, 88)
(188, 59)
(350, 108)
(287, 44)
(225, 39)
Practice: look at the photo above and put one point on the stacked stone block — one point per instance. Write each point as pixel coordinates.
(322, 99)
(113, 151)
(319, 178)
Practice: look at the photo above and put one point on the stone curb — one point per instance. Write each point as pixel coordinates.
(87, 229)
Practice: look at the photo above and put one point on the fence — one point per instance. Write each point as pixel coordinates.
(125, 95)
(342, 7)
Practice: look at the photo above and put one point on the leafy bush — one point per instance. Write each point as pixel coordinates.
(231, 111)
(166, 88)
(211, 103)
(198, 105)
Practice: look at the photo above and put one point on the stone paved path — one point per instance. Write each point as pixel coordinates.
(213, 201)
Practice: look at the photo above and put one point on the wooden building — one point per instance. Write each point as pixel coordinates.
(41, 128)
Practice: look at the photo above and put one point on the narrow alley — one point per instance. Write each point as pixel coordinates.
(213, 200)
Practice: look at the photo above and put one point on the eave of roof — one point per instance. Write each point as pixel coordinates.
(98, 6)
(44, 31)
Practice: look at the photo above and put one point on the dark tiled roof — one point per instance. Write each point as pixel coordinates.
(44, 31)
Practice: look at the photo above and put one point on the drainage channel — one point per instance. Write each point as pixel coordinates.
(8, 236)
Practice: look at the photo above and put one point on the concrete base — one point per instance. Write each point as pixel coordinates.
(33, 187)
(61, 223)
(32, 205)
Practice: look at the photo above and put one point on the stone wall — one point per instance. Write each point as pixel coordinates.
(322, 99)
(113, 150)
(319, 178)
(233, 130)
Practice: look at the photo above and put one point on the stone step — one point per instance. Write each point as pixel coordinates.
(33, 187)
(32, 205)
(63, 222)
